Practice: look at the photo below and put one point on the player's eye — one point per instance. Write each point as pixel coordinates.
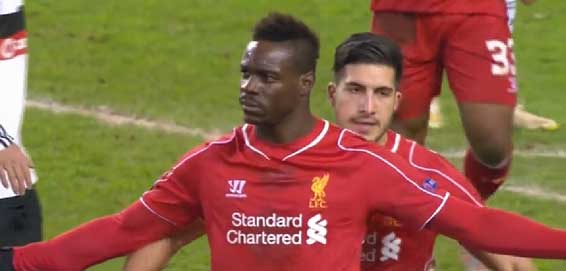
(384, 92)
(354, 89)
(270, 78)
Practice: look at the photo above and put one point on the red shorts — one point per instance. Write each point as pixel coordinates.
(475, 51)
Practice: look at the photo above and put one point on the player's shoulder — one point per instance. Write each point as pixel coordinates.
(348, 140)
(443, 172)
(355, 144)
(219, 146)
(405, 147)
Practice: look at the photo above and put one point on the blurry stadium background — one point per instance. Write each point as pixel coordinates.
(177, 62)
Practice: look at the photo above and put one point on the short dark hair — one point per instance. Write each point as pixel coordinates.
(278, 27)
(368, 48)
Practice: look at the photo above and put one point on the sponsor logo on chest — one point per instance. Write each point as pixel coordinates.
(236, 189)
(277, 229)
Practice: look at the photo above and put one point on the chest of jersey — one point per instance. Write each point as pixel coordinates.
(283, 214)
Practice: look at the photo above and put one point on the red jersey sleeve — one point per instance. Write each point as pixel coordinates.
(498, 231)
(394, 187)
(94, 242)
(398, 191)
(444, 173)
(174, 197)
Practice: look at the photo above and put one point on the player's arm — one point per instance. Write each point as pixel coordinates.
(459, 186)
(14, 165)
(171, 204)
(94, 242)
(476, 227)
(156, 255)
(498, 231)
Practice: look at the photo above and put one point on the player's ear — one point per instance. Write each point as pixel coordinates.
(398, 97)
(331, 93)
(306, 83)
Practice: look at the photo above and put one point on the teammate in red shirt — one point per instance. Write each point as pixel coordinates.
(287, 191)
(367, 70)
(470, 41)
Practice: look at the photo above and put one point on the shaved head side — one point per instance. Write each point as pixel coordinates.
(277, 27)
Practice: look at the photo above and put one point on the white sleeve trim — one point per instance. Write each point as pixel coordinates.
(396, 144)
(446, 196)
(385, 161)
(156, 213)
(216, 142)
(448, 178)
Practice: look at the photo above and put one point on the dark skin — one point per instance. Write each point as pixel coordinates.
(274, 93)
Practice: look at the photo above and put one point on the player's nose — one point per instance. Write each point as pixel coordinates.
(367, 103)
(248, 84)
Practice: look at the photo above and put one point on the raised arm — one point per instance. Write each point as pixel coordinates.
(167, 208)
(412, 200)
(94, 242)
(460, 187)
(498, 231)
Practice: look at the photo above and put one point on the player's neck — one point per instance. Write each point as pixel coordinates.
(381, 140)
(294, 126)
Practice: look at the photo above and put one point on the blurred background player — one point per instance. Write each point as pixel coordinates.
(20, 214)
(469, 41)
(521, 117)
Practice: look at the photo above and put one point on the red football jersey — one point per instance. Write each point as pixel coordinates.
(298, 206)
(487, 7)
(388, 245)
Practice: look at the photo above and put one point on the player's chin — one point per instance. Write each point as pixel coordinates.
(373, 134)
(254, 119)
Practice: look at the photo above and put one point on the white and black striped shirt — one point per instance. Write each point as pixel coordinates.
(13, 76)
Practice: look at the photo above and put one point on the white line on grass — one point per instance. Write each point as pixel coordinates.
(103, 114)
(533, 191)
(534, 152)
(107, 116)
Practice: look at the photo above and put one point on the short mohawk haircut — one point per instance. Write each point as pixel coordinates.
(278, 27)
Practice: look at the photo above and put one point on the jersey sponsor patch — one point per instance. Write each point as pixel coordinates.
(236, 189)
(276, 229)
